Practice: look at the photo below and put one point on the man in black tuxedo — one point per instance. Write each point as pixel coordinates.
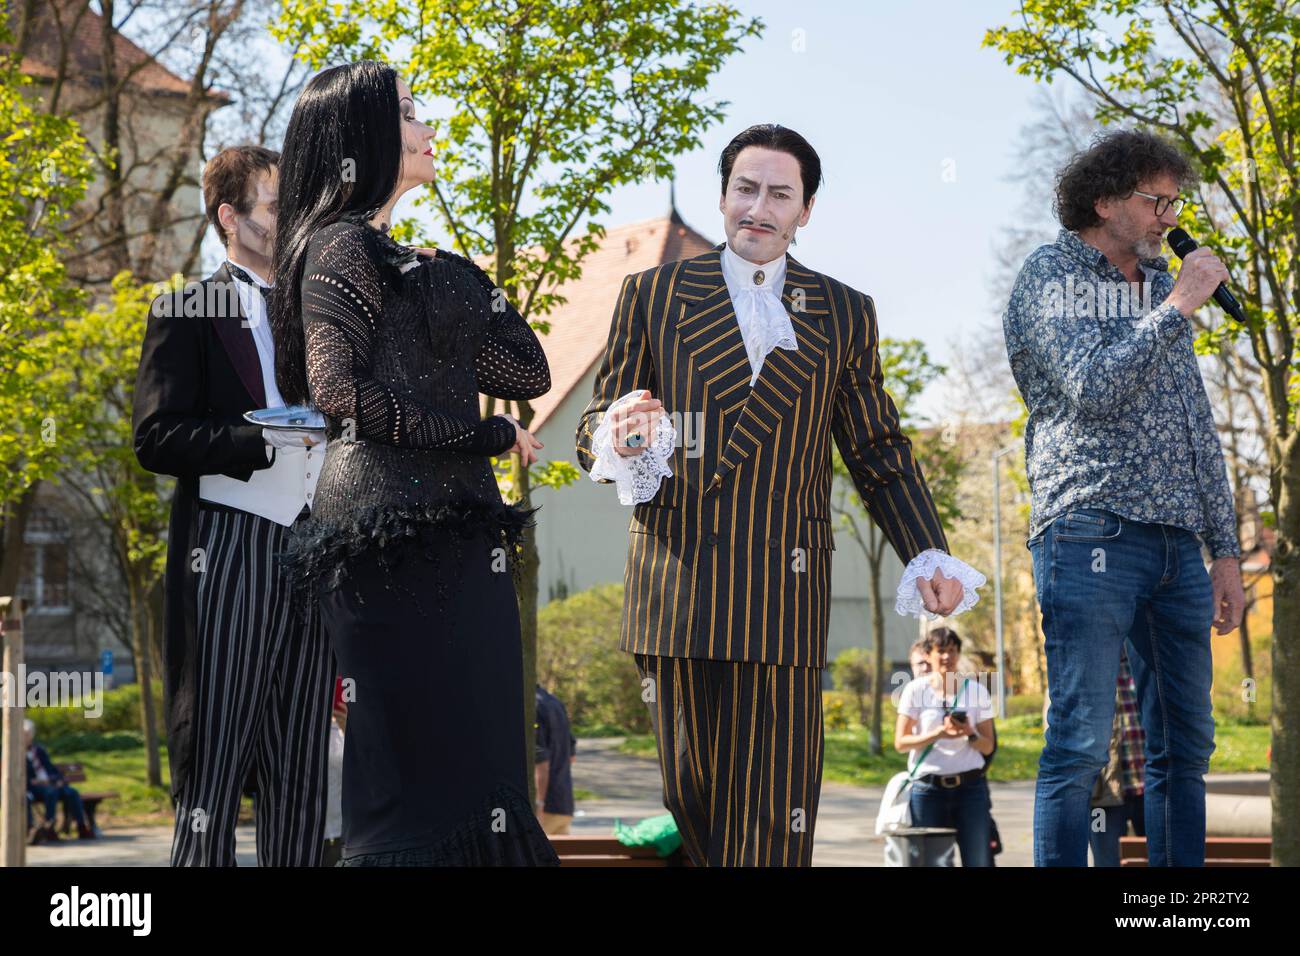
(247, 669)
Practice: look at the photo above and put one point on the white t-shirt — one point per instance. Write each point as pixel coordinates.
(924, 704)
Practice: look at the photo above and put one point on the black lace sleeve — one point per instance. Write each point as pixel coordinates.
(511, 363)
(341, 304)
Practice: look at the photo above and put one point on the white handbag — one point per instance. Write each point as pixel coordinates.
(896, 805)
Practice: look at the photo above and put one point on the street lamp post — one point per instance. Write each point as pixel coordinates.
(994, 461)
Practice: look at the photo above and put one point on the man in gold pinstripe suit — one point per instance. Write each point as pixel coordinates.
(727, 583)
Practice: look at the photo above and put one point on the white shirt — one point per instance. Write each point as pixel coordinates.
(924, 704)
(756, 296)
(277, 493)
(254, 308)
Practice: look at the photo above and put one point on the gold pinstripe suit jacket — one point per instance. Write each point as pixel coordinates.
(731, 559)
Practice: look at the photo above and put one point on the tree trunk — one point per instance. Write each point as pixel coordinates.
(1247, 663)
(156, 625)
(152, 657)
(1284, 769)
(877, 653)
(12, 533)
(116, 251)
(144, 673)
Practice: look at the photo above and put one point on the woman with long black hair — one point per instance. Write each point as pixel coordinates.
(410, 549)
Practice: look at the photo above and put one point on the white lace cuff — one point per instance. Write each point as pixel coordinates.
(922, 568)
(637, 476)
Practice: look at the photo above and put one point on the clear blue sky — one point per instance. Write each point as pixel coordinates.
(887, 91)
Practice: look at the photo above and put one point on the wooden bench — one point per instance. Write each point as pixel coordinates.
(90, 800)
(1219, 851)
(578, 850)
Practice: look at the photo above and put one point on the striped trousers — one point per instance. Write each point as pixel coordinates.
(264, 682)
(740, 748)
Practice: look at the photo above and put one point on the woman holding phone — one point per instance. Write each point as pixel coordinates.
(410, 549)
(945, 721)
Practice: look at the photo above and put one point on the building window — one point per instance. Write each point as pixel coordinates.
(46, 579)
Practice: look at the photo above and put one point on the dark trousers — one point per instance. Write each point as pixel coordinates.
(52, 796)
(965, 808)
(264, 680)
(740, 748)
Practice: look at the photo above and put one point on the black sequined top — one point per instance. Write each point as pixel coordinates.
(398, 348)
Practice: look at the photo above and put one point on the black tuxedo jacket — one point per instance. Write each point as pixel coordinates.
(731, 559)
(199, 372)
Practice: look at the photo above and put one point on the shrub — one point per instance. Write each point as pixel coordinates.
(121, 713)
(578, 661)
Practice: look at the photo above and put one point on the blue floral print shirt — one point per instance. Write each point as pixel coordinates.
(1118, 415)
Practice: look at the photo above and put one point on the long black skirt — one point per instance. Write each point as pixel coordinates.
(434, 769)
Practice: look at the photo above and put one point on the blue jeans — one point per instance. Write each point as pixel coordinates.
(965, 807)
(51, 796)
(1105, 842)
(1103, 580)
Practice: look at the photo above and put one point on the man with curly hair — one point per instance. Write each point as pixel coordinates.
(1128, 483)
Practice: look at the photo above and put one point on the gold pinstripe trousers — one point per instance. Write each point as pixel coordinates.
(740, 747)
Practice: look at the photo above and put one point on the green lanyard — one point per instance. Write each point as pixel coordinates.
(946, 710)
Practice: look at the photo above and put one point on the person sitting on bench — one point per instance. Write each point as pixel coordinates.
(45, 782)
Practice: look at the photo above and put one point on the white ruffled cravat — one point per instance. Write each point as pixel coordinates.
(756, 294)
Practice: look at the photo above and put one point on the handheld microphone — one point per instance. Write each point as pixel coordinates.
(1182, 244)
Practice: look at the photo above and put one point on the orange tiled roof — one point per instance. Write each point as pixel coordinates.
(580, 327)
(85, 64)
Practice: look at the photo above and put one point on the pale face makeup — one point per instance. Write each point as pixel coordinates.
(252, 234)
(417, 142)
(763, 205)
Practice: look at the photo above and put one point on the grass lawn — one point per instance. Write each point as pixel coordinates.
(1238, 748)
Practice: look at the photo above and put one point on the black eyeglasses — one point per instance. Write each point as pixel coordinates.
(1163, 202)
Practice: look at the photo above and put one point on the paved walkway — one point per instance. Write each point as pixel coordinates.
(627, 788)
